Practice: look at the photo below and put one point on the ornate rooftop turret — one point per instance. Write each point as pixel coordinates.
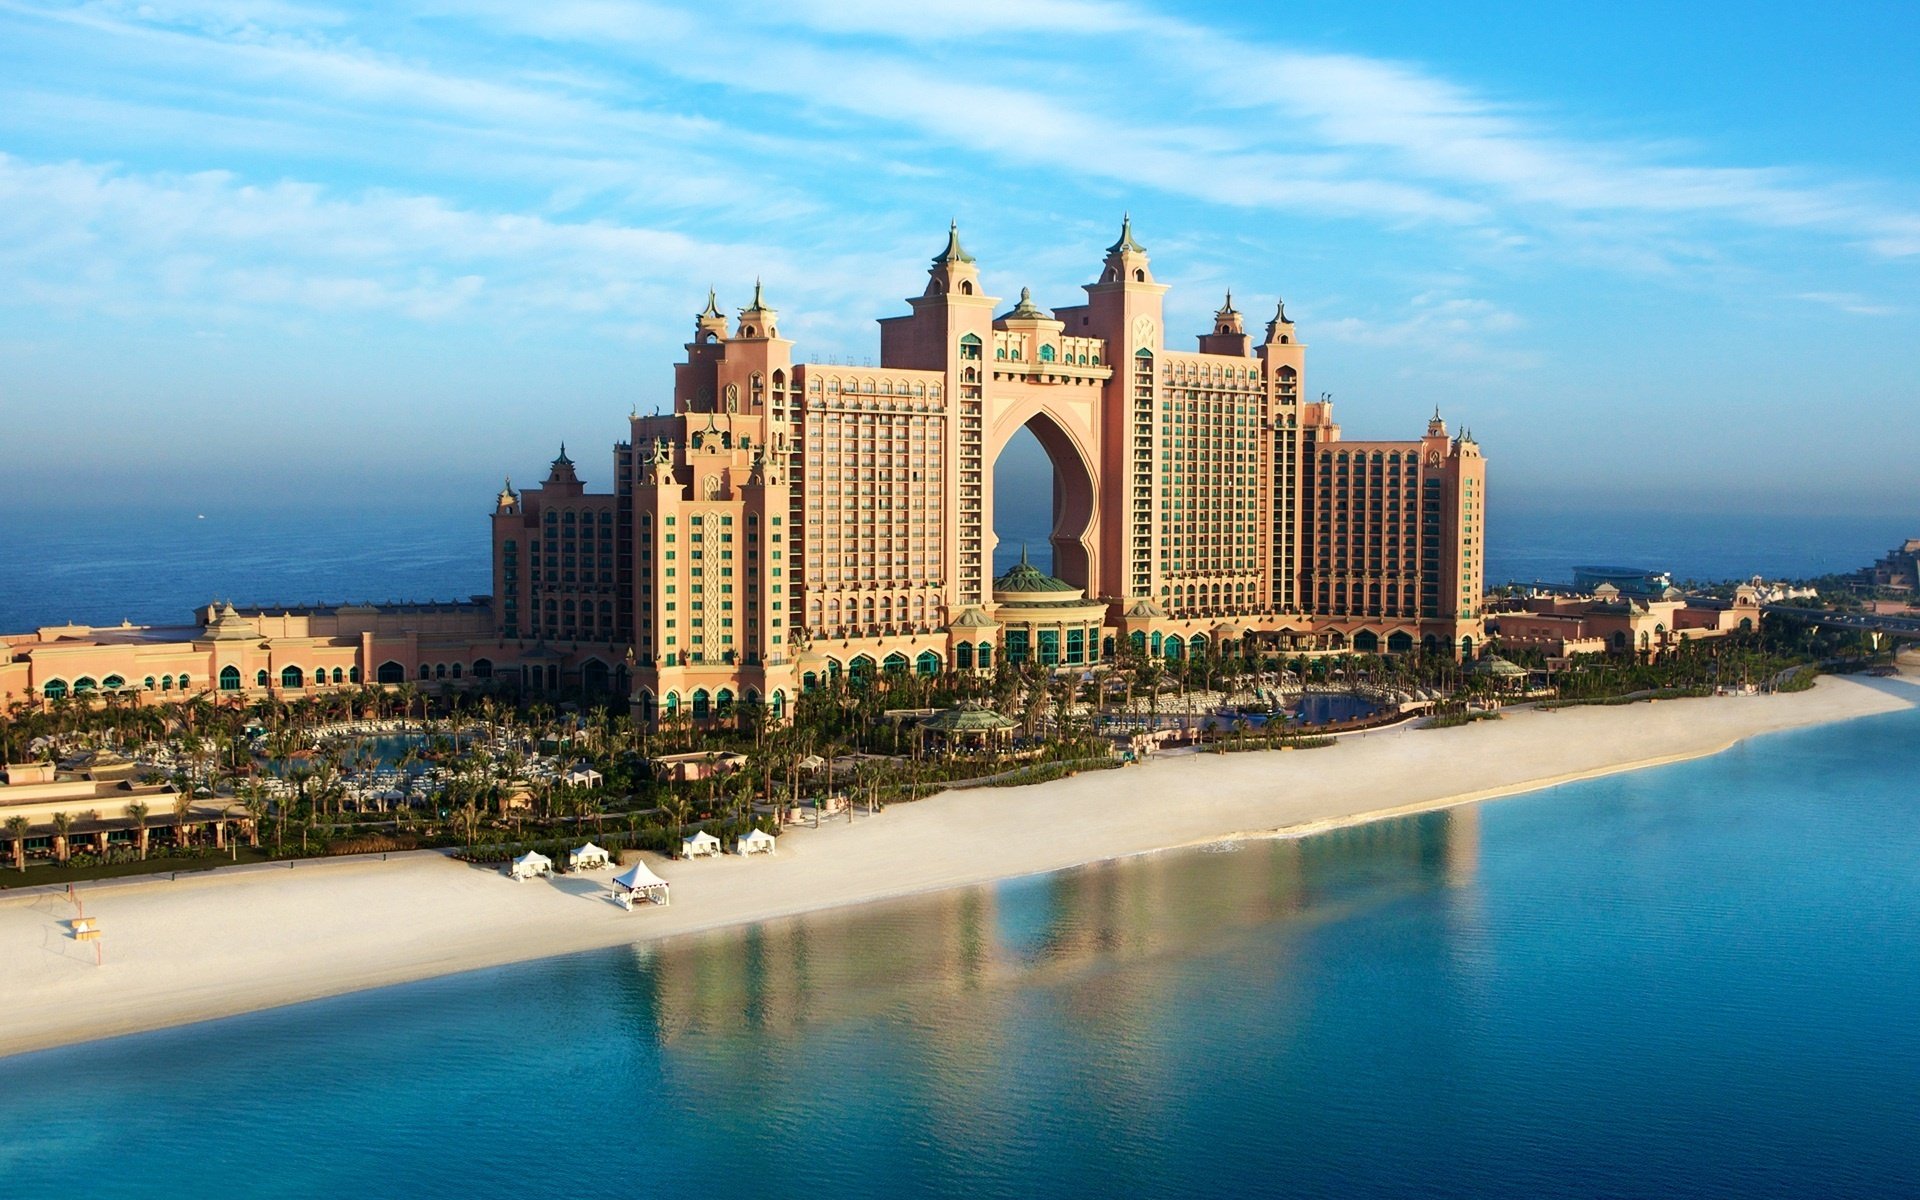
(953, 273)
(710, 320)
(757, 319)
(954, 252)
(562, 470)
(1280, 329)
(1126, 259)
(508, 500)
(228, 625)
(1027, 310)
(1023, 578)
(1226, 319)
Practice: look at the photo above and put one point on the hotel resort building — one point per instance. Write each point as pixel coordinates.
(789, 523)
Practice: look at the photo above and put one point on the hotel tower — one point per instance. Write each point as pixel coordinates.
(790, 522)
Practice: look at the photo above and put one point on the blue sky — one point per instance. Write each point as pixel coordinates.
(317, 253)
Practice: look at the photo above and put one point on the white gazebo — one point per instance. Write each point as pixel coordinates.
(529, 865)
(582, 777)
(756, 841)
(639, 884)
(588, 858)
(699, 845)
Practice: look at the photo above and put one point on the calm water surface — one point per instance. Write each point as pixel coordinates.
(1694, 981)
(155, 565)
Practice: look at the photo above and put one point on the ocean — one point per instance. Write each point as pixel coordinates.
(156, 564)
(1696, 981)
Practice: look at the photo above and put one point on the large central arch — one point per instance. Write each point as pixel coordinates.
(1068, 434)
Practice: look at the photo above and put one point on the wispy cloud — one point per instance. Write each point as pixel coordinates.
(1851, 302)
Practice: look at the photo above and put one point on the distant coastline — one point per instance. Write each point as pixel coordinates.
(217, 945)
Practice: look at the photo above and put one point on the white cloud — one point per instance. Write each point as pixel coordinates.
(1851, 302)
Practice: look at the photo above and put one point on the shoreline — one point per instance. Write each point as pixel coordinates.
(213, 945)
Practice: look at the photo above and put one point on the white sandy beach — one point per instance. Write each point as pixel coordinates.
(212, 945)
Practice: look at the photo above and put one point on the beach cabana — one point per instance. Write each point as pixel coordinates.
(530, 864)
(639, 884)
(756, 841)
(699, 845)
(582, 777)
(588, 858)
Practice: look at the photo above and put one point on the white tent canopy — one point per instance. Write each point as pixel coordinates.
(588, 857)
(699, 845)
(638, 882)
(585, 777)
(756, 841)
(530, 864)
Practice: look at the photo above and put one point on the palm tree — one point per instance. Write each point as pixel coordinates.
(137, 813)
(17, 830)
(679, 808)
(182, 805)
(253, 797)
(466, 818)
(62, 826)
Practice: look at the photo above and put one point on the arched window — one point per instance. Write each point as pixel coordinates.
(390, 672)
(229, 678)
(702, 705)
(113, 683)
(985, 657)
(147, 683)
(260, 677)
(895, 663)
(723, 703)
(166, 683)
(353, 674)
(673, 704)
(779, 706)
(185, 682)
(440, 670)
(54, 689)
(339, 676)
(1046, 354)
(970, 346)
(454, 670)
(963, 656)
(928, 663)
(426, 671)
(483, 668)
(290, 677)
(84, 684)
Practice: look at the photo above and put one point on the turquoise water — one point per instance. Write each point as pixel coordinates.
(1697, 981)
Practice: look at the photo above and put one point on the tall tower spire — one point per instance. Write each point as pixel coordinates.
(756, 319)
(953, 271)
(1126, 260)
(1280, 329)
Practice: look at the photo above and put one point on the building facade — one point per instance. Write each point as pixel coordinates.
(789, 521)
(792, 521)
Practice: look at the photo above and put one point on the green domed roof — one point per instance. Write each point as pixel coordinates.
(1025, 577)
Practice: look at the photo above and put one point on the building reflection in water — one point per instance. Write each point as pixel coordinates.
(931, 954)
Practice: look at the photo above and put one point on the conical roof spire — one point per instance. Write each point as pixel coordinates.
(563, 456)
(758, 303)
(713, 306)
(1126, 241)
(1227, 309)
(955, 252)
